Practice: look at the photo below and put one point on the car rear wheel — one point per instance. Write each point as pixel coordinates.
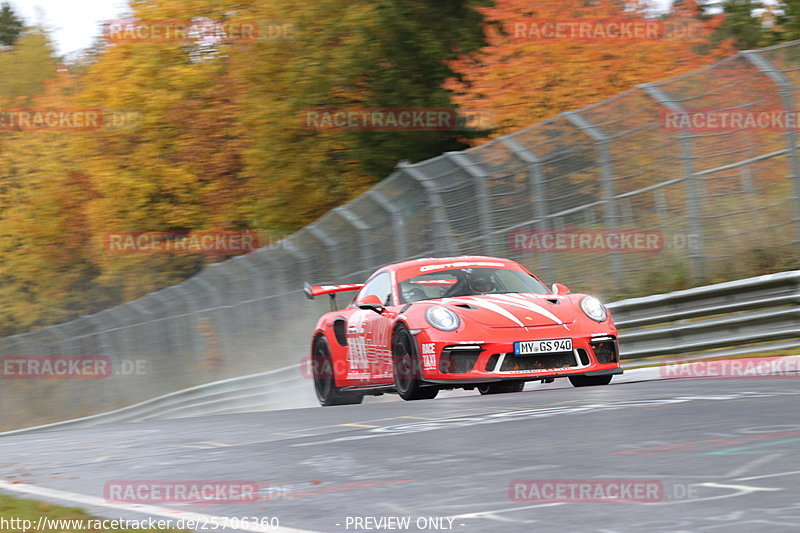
(407, 370)
(501, 387)
(589, 381)
(328, 393)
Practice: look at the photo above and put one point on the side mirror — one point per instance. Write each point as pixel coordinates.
(371, 302)
(560, 288)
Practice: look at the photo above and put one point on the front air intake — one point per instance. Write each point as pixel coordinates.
(459, 359)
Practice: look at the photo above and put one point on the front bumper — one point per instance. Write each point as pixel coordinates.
(485, 362)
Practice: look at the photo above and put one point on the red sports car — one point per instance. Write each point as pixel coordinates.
(458, 322)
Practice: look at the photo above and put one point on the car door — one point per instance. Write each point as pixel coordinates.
(369, 340)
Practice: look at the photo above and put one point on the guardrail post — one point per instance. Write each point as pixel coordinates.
(601, 141)
(696, 252)
(340, 269)
(363, 229)
(101, 333)
(225, 312)
(478, 176)
(172, 334)
(302, 263)
(786, 91)
(536, 183)
(443, 233)
(398, 223)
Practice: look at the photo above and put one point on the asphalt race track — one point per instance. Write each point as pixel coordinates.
(725, 453)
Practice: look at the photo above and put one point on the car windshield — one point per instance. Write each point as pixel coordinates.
(467, 282)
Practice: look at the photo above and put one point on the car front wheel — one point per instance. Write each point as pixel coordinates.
(407, 369)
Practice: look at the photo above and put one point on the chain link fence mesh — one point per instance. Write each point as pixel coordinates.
(612, 166)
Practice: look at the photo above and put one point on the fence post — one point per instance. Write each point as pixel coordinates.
(601, 141)
(697, 252)
(339, 263)
(443, 233)
(172, 335)
(224, 311)
(195, 337)
(786, 91)
(363, 229)
(398, 223)
(484, 204)
(536, 183)
(102, 336)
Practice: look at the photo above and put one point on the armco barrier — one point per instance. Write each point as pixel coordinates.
(745, 316)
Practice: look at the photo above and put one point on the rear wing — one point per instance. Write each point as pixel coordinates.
(320, 290)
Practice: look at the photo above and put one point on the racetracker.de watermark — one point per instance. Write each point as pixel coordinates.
(75, 119)
(180, 491)
(615, 29)
(750, 368)
(720, 120)
(181, 242)
(585, 241)
(55, 367)
(586, 490)
(397, 119)
(199, 30)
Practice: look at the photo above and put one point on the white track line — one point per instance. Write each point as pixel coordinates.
(150, 510)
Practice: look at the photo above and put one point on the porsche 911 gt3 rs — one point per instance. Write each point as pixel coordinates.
(424, 325)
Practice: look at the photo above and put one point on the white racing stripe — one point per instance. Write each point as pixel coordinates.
(491, 306)
(522, 302)
(149, 510)
(495, 302)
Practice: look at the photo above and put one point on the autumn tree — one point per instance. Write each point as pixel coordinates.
(27, 67)
(522, 79)
(10, 25)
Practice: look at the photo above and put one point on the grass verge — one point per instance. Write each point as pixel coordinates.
(18, 516)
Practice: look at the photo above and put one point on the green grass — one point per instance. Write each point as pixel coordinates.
(14, 508)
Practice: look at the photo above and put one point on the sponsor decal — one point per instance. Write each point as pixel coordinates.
(461, 264)
(429, 355)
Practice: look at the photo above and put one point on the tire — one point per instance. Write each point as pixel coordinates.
(501, 387)
(328, 393)
(590, 381)
(407, 368)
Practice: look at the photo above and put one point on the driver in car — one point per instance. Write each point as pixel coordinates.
(481, 283)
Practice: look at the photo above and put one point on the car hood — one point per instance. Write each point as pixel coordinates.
(514, 310)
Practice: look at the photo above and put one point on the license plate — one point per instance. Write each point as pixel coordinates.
(548, 346)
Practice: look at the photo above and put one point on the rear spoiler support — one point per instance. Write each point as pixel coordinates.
(312, 291)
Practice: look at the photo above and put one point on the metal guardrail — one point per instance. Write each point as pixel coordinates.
(745, 316)
(265, 390)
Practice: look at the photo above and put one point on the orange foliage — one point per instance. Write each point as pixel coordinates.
(520, 81)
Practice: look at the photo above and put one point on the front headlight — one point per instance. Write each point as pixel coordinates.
(592, 307)
(442, 318)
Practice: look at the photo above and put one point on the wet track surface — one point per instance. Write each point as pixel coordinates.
(724, 451)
